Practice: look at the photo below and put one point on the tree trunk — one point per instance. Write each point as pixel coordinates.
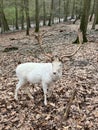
(16, 15)
(73, 10)
(44, 12)
(96, 14)
(59, 10)
(84, 20)
(92, 11)
(22, 14)
(81, 8)
(4, 24)
(66, 9)
(97, 19)
(26, 4)
(37, 15)
(51, 13)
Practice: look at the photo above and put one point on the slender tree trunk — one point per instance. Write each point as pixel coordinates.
(96, 14)
(37, 15)
(81, 8)
(51, 13)
(92, 12)
(66, 9)
(44, 12)
(26, 4)
(59, 10)
(97, 19)
(73, 10)
(22, 14)
(16, 15)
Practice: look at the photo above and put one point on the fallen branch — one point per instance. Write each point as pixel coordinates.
(67, 111)
(10, 48)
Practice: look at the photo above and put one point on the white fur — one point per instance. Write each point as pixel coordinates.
(44, 73)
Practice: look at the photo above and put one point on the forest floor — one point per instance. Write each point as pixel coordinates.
(80, 72)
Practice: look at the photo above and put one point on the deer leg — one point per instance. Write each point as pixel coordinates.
(20, 83)
(49, 92)
(45, 93)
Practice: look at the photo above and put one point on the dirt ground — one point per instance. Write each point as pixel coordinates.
(80, 72)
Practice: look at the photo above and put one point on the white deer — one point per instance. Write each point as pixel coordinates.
(44, 73)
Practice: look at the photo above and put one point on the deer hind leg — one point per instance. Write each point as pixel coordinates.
(20, 84)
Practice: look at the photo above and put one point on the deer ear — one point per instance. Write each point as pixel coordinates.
(61, 59)
(56, 58)
(52, 59)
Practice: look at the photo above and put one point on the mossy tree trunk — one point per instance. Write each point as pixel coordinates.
(84, 20)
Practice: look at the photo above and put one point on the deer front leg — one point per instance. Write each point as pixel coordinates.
(50, 90)
(45, 93)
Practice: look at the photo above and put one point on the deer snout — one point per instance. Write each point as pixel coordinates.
(54, 73)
